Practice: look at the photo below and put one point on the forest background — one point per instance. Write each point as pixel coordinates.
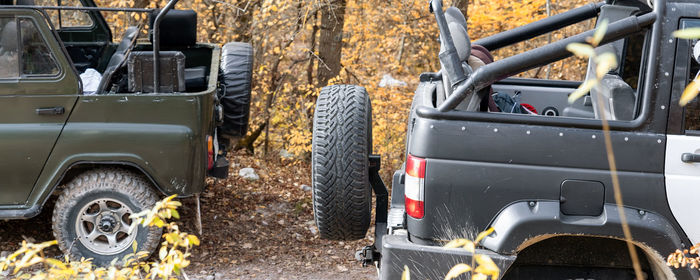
(302, 45)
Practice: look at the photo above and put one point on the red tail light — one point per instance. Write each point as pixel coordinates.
(210, 152)
(414, 187)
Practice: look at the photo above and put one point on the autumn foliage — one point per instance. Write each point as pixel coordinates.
(378, 37)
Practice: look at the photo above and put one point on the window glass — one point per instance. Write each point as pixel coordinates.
(632, 62)
(9, 57)
(36, 55)
(692, 110)
(617, 89)
(68, 18)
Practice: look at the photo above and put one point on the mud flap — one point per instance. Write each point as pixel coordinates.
(220, 169)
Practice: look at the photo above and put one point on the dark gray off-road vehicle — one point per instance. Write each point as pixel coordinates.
(541, 181)
(155, 119)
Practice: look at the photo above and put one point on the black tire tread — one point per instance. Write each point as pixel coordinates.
(137, 187)
(342, 195)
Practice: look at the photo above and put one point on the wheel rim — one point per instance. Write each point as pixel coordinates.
(103, 226)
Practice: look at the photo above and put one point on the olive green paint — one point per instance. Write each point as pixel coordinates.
(163, 135)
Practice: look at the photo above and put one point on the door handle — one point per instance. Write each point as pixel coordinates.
(51, 111)
(690, 157)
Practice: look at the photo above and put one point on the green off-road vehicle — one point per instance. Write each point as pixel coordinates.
(90, 120)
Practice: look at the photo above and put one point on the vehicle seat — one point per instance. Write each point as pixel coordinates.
(196, 78)
(619, 98)
(172, 72)
(585, 107)
(128, 38)
(118, 57)
(8, 41)
(177, 29)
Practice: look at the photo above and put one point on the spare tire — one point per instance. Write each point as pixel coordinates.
(341, 144)
(236, 83)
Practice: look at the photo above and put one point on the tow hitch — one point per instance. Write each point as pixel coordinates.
(372, 254)
(368, 255)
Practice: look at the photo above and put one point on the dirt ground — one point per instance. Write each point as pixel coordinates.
(261, 229)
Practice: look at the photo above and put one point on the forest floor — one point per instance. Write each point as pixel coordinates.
(262, 229)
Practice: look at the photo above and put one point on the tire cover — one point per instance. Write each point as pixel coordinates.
(236, 81)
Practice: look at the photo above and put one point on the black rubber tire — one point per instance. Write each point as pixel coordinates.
(342, 142)
(106, 183)
(236, 82)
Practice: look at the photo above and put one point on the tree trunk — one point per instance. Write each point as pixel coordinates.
(312, 50)
(331, 40)
(462, 5)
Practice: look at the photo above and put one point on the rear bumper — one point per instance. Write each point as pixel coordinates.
(427, 262)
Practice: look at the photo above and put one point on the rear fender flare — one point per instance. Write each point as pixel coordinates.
(524, 223)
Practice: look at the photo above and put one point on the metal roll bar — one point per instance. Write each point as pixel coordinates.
(540, 27)
(448, 57)
(541, 56)
(156, 44)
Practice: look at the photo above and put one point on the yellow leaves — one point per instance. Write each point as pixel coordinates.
(483, 235)
(486, 266)
(456, 243)
(604, 63)
(688, 33)
(691, 91)
(173, 255)
(693, 88)
(406, 275)
(581, 50)
(599, 33)
(192, 239)
(457, 270)
(162, 253)
(582, 90)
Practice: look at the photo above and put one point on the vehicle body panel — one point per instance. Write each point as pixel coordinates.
(27, 136)
(510, 171)
(162, 135)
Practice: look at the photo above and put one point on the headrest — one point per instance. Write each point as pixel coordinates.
(482, 53)
(610, 48)
(620, 98)
(178, 28)
(25, 2)
(128, 38)
(8, 37)
(458, 29)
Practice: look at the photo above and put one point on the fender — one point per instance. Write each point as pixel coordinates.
(33, 207)
(141, 146)
(522, 223)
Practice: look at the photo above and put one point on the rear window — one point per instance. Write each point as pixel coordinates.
(67, 18)
(9, 55)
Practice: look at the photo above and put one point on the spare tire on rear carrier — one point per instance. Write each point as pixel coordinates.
(235, 83)
(341, 145)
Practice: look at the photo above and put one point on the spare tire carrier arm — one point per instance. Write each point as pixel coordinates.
(370, 254)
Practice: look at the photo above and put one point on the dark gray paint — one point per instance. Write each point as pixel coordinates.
(522, 221)
(581, 197)
(485, 169)
(427, 262)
